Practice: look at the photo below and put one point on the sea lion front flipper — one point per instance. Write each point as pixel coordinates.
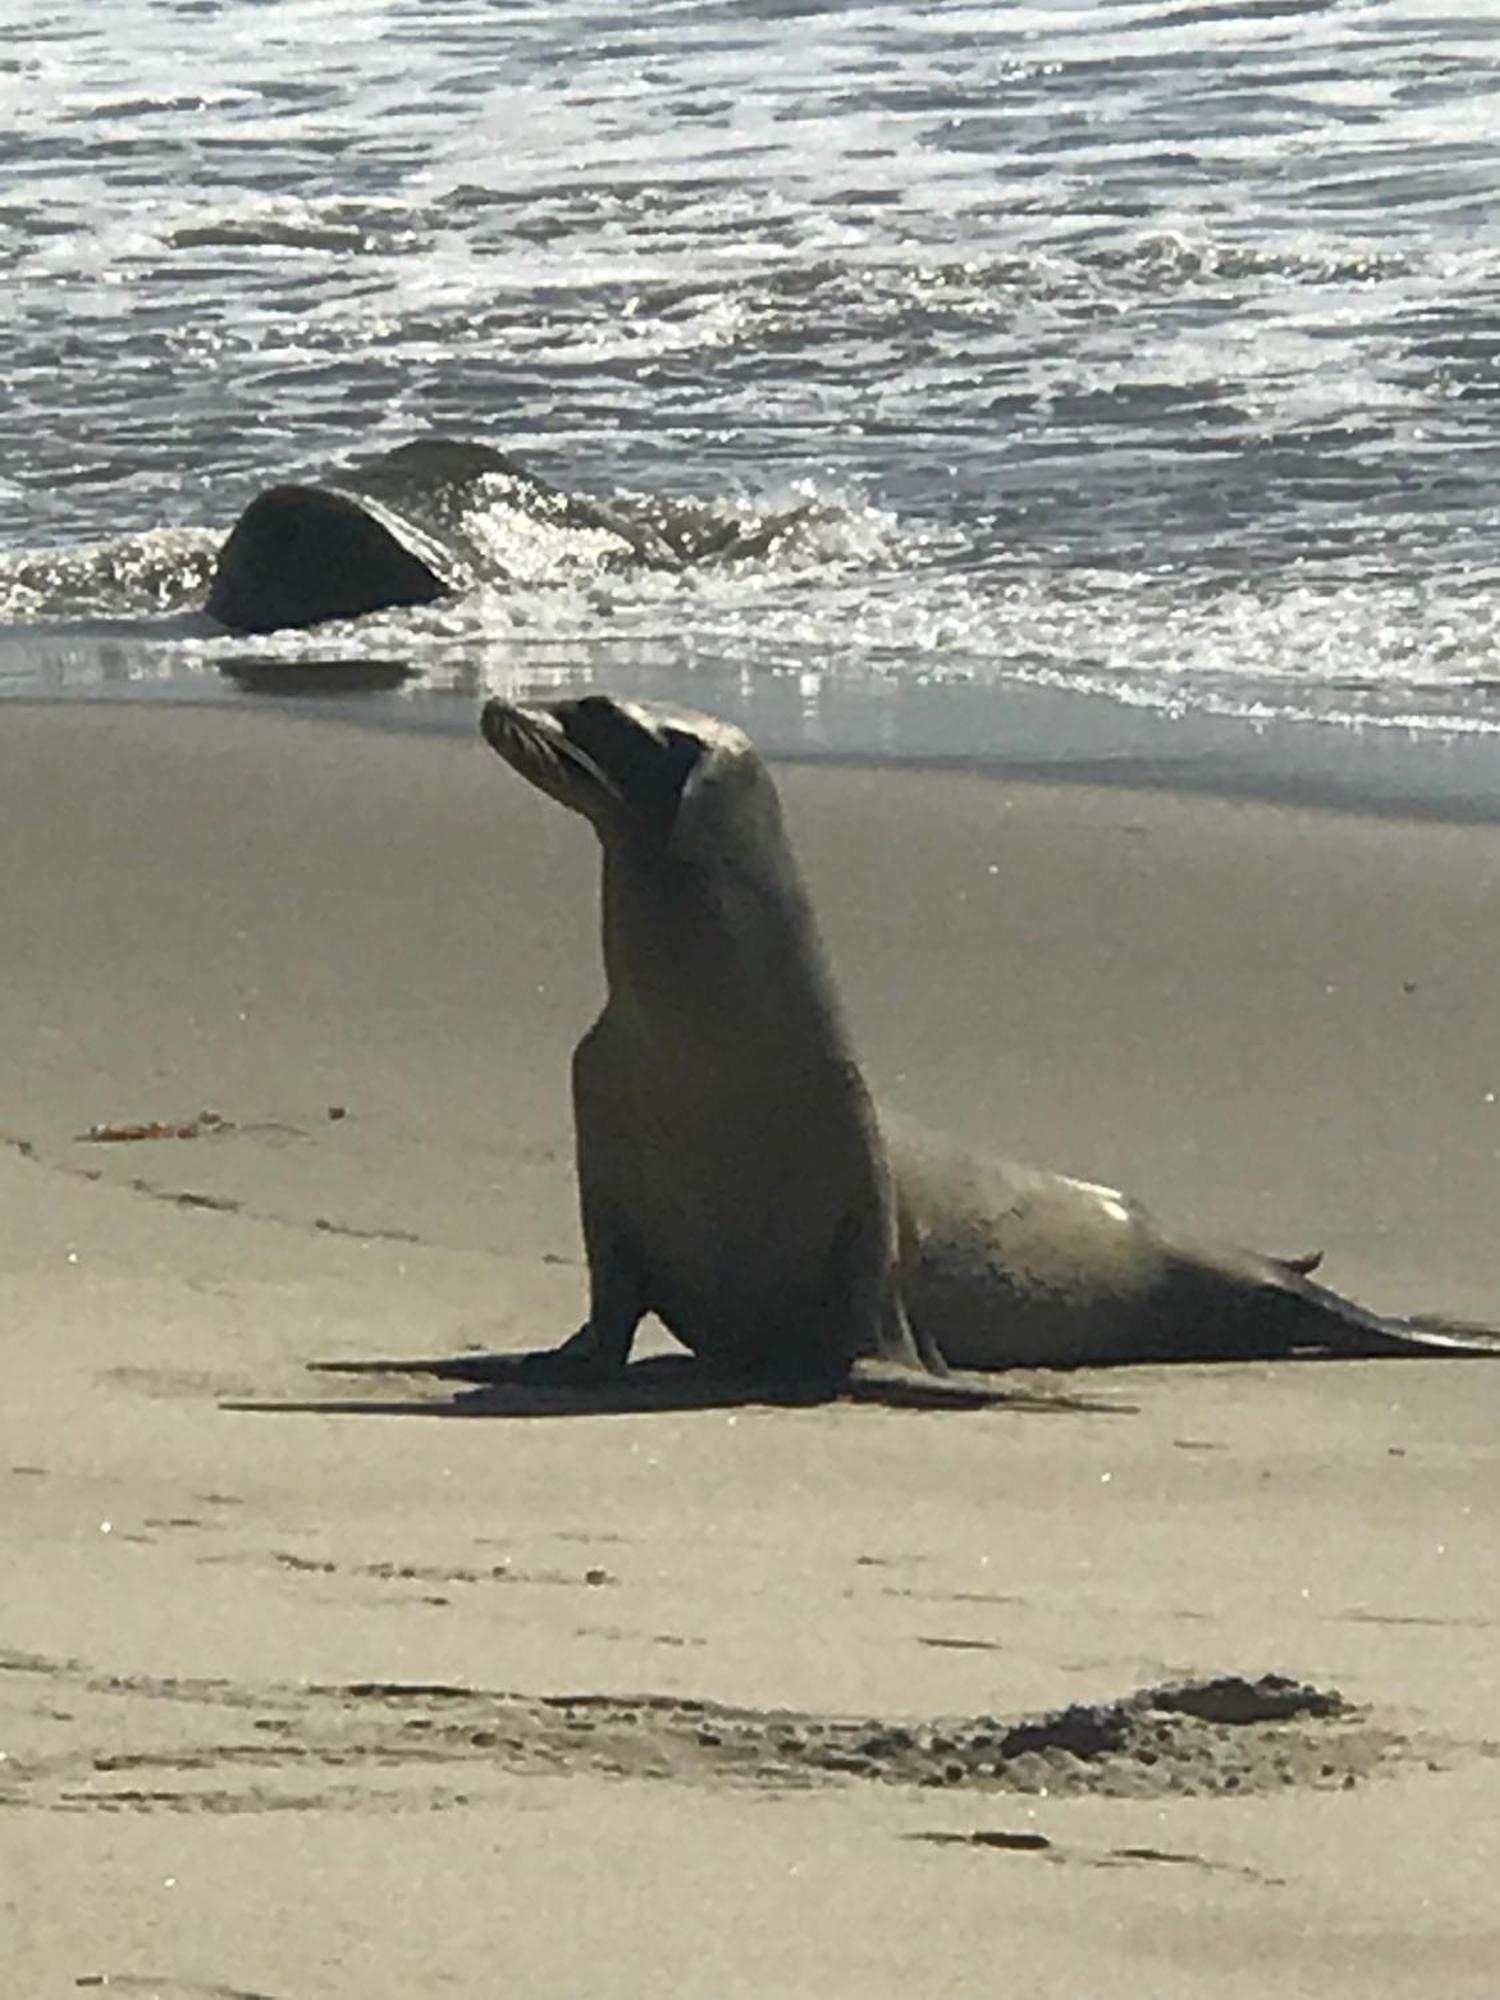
(600, 1349)
(584, 1360)
(897, 1386)
(577, 1363)
(593, 1357)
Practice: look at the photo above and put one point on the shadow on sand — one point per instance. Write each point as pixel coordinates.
(513, 1385)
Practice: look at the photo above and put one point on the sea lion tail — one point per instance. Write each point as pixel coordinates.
(1303, 1266)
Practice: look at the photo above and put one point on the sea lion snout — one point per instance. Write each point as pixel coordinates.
(622, 765)
(535, 743)
(507, 727)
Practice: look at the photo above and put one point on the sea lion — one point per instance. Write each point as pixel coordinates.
(735, 1179)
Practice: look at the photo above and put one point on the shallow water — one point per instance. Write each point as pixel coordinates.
(1140, 350)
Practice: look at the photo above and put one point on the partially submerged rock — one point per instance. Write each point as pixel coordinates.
(403, 528)
(301, 554)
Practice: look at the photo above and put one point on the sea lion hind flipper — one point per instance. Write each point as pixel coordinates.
(1437, 1333)
(897, 1386)
(1343, 1328)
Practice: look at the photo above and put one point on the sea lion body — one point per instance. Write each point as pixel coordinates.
(735, 1178)
(1008, 1266)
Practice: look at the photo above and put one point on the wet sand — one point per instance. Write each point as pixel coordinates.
(272, 1683)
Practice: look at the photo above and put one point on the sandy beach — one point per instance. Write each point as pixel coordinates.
(273, 1715)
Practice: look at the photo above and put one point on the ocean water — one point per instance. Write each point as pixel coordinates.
(1082, 373)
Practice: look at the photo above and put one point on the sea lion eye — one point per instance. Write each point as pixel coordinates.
(648, 763)
(609, 737)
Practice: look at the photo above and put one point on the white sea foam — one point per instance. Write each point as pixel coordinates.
(1144, 349)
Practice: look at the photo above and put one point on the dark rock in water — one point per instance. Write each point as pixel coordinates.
(300, 554)
(402, 528)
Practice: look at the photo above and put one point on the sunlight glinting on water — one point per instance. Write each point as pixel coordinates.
(1142, 348)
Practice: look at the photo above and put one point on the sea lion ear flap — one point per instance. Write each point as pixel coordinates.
(694, 769)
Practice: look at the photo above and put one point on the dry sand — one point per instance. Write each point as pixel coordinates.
(253, 1665)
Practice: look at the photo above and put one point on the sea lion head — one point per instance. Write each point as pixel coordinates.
(639, 771)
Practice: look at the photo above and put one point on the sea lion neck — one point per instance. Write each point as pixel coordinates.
(724, 944)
